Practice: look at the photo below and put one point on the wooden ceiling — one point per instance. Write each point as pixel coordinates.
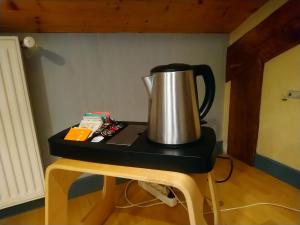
(189, 16)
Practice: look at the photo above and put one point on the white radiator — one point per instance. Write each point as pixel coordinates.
(21, 173)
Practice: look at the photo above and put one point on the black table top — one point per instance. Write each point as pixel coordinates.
(196, 157)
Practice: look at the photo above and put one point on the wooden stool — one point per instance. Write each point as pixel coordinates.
(61, 174)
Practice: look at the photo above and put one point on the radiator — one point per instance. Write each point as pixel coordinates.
(21, 173)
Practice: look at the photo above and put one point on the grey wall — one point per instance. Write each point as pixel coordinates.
(70, 74)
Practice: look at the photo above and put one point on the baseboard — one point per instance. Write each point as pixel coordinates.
(10, 211)
(219, 147)
(80, 187)
(278, 170)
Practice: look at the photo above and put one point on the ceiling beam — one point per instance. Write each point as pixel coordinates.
(245, 62)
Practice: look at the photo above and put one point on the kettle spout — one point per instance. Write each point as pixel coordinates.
(148, 80)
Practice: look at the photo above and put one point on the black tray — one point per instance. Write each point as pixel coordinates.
(196, 157)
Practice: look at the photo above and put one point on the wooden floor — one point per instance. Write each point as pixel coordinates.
(246, 186)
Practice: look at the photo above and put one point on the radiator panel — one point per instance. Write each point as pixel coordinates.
(20, 163)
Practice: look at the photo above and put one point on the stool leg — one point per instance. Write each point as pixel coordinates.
(57, 184)
(214, 200)
(194, 200)
(103, 208)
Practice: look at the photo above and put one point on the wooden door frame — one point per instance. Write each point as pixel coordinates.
(245, 63)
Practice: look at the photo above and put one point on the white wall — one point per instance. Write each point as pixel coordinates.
(69, 74)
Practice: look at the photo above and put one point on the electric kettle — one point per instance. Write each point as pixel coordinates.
(173, 114)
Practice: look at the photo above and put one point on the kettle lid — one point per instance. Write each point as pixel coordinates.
(171, 68)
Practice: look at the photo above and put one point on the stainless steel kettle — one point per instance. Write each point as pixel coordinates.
(174, 116)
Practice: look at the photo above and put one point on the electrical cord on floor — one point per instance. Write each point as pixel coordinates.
(149, 203)
(143, 204)
(230, 170)
(257, 204)
(182, 203)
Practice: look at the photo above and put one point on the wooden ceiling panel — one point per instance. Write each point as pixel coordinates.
(189, 16)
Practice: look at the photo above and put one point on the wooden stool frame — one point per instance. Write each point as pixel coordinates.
(61, 174)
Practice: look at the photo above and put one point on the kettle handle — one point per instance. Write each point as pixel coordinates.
(209, 82)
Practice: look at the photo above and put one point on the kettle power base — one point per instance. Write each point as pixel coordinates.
(197, 157)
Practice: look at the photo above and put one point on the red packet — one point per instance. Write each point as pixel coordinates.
(107, 115)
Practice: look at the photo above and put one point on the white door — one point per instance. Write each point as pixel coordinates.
(21, 173)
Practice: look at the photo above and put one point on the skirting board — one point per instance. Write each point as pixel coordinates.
(278, 170)
(82, 186)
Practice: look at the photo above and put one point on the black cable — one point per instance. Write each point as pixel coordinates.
(231, 168)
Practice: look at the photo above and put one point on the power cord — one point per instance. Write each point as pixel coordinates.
(230, 170)
(257, 204)
(147, 203)
(182, 203)
(143, 204)
(152, 202)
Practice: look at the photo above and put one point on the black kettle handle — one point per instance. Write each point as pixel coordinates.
(209, 82)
